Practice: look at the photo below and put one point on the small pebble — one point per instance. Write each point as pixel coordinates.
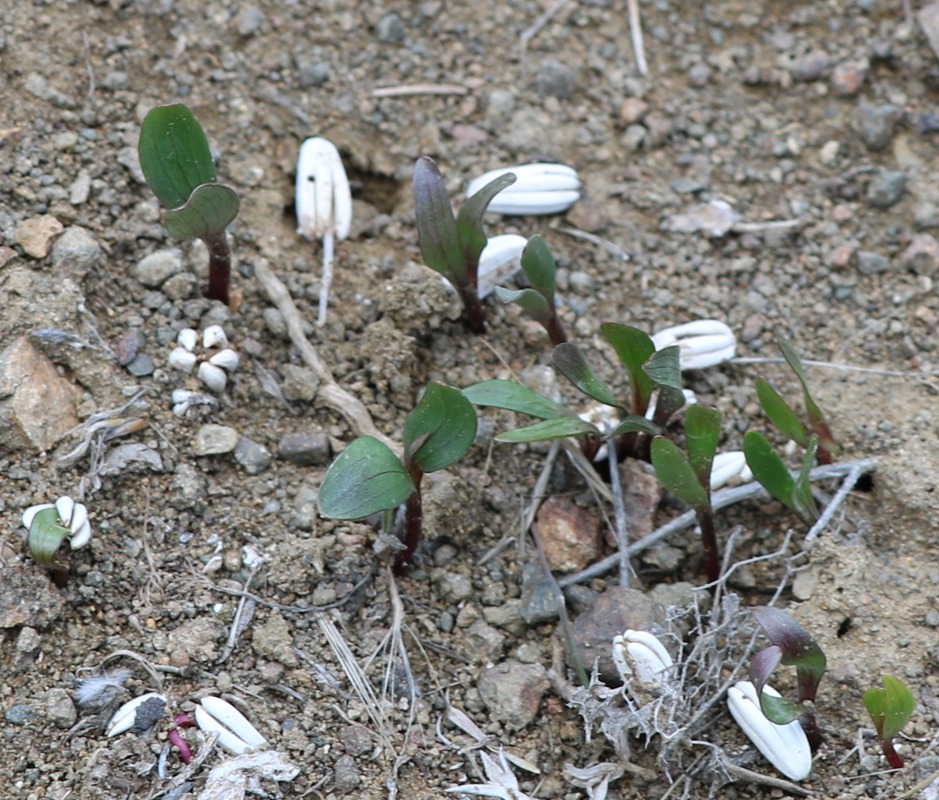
(35, 235)
(155, 268)
(305, 449)
(555, 79)
(254, 457)
(886, 188)
(214, 440)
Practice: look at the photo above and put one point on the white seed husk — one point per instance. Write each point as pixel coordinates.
(538, 189)
(64, 507)
(213, 377)
(30, 513)
(227, 359)
(786, 747)
(123, 719)
(182, 359)
(187, 338)
(236, 734)
(322, 198)
(500, 259)
(214, 336)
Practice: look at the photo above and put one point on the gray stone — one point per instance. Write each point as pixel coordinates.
(180, 286)
(75, 253)
(60, 710)
(300, 383)
(555, 79)
(21, 714)
(248, 21)
(886, 188)
(869, 263)
(37, 405)
(311, 74)
(155, 268)
(615, 611)
(141, 366)
(276, 323)
(810, 66)
(213, 440)
(926, 215)
(922, 256)
(538, 598)
(254, 457)
(390, 29)
(483, 642)
(507, 615)
(453, 587)
(305, 449)
(513, 692)
(875, 124)
(27, 597)
(500, 104)
(188, 488)
(346, 774)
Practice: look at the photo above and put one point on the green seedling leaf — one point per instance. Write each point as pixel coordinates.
(532, 303)
(174, 154)
(46, 534)
(663, 367)
(802, 500)
(546, 430)
(702, 433)
(780, 413)
(570, 362)
(768, 468)
(513, 396)
(676, 474)
(539, 267)
(796, 649)
(209, 210)
(890, 709)
(816, 417)
(633, 348)
(469, 222)
(436, 227)
(440, 429)
(365, 479)
(633, 424)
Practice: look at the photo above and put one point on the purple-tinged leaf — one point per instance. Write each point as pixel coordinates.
(798, 649)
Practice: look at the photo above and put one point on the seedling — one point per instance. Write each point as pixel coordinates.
(177, 164)
(452, 245)
(689, 478)
(786, 420)
(792, 646)
(50, 525)
(538, 301)
(890, 709)
(771, 473)
(650, 374)
(368, 478)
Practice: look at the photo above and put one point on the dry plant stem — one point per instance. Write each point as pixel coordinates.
(330, 393)
(419, 88)
(846, 486)
(219, 267)
(619, 516)
(888, 373)
(635, 33)
(328, 248)
(535, 28)
(243, 615)
(604, 244)
(766, 780)
(719, 500)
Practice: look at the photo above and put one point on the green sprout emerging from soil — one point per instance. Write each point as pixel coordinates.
(368, 478)
(890, 709)
(792, 646)
(538, 301)
(177, 163)
(689, 478)
(452, 245)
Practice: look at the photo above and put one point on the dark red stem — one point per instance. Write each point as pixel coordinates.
(555, 330)
(473, 310)
(712, 556)
(413, 523)
(893, 757)
(219, 266)
(812, 733)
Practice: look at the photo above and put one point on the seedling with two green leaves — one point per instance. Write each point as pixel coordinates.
(537, 300)
(368, 478)
(452, 245)
(792, 646)
(177, 164)
(890, 709)
(767, 466)
(650, 374)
